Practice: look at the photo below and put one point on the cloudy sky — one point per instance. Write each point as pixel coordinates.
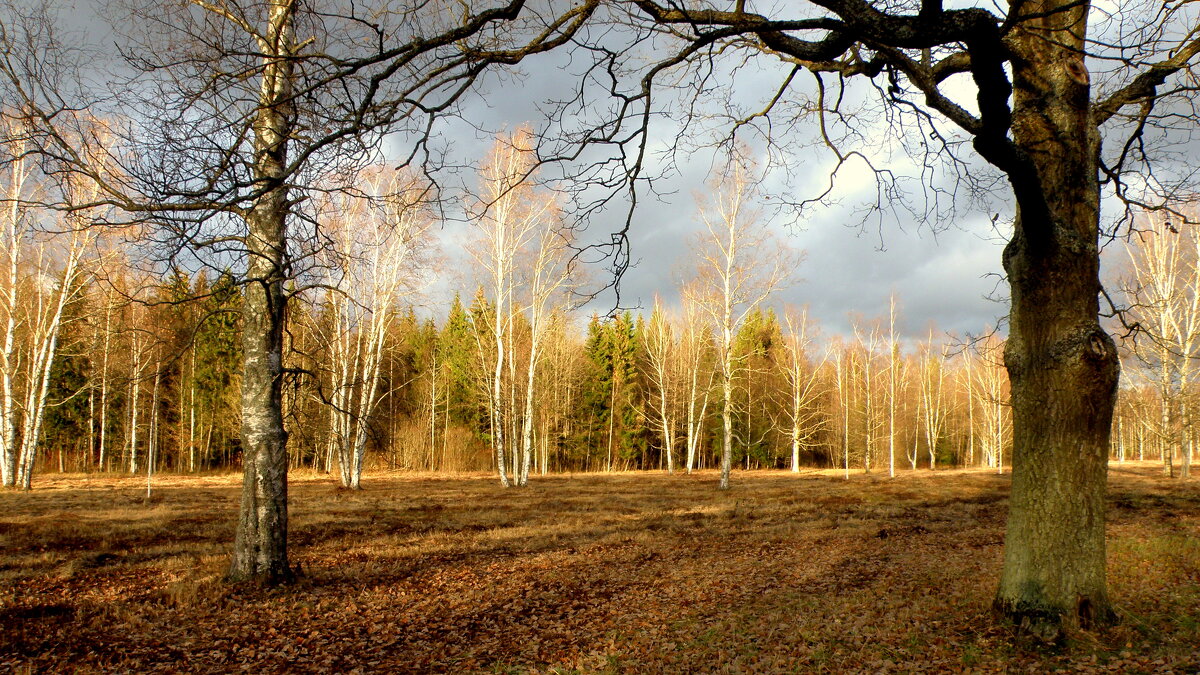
(949, 278)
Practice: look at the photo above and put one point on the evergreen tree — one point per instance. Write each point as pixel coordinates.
(65, 430)
(460, 354)
(218, 346)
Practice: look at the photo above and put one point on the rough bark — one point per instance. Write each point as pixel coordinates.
(1062, 366)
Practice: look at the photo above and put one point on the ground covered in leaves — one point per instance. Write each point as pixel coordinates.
(584, 573)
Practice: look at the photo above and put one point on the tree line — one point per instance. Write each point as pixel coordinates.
(108, 366)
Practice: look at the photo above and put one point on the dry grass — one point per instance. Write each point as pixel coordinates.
(591, 573)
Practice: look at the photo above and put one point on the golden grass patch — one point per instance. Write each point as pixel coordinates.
(575, 573)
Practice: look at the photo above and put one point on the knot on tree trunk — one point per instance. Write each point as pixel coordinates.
(1088, 343)
(1098, 345)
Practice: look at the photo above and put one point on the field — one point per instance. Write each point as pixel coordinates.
(583, 573)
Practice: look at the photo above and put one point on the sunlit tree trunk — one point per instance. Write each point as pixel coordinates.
(135, 387)
(192, 415)
(260, 542)
(893, 366)
(1062, 366)
(661, 352)
(152, 444)
(17, 221)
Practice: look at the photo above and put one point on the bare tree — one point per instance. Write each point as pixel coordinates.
(45, 268)
(18, 221)
(661, 363)
(843, 367)
(510, 215)
(695, 346)
(551, 270)
(988, 395)
(931, 371)
(1011, 82)
(227, 113)
(803, 381)
(868, 343)
(376, 257)
(1164, 295)
(740, 264)
(894, 365)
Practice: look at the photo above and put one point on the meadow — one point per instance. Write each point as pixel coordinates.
(623, 572)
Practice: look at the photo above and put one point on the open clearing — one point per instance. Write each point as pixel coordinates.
(593, 573)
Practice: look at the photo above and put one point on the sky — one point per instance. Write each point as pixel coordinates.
(949, 279)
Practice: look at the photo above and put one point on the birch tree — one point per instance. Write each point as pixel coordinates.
(57, 283)
(376, 256)
(45, 268)
(894, 364)
(802, 379)
(1163, 290)
(843, 368)
(988, 390)
(695, 346)
(18, 180)
(551, 270)
(509, 216)
(740, 264)
(931, 373)
(661, 363)
(868, 340)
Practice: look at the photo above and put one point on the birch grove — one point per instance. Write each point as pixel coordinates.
(510, 216)
(1163, 290)
(374, 258)
(46, 266)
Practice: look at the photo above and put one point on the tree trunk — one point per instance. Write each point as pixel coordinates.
(1185, 446)
(103, 459)
(868, 411)
(192, 416)
(692, 435)
(498, 418)
(152, 444)
(260, 546)
(134, 394)
(1062, 366)
(665, 420)
(1120, 441)
(726, 423)
(530, 384)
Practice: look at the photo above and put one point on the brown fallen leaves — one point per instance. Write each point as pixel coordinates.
(585, 573)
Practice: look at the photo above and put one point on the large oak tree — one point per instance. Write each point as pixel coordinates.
(1018, 86)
